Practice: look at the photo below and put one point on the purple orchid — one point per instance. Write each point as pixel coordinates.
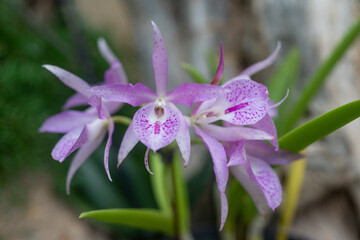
(85, 130)
(159, 122)
(244, 111)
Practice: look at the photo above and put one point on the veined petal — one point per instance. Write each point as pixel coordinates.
(267, 180)
(160, 62)
(221, 170)
(128, 143)
(238, 156)
(81, 156)
(69, 143)
(95, 101)
(183, 136)
(234, 134)
(188, 93)
(266, 152)
(75, 100)
(155, 126)
(70, 79)
(220, 69)
(107, 148)
(134, 95)
(66, 121)
(242, 173)
(267, 125)
(257, 67)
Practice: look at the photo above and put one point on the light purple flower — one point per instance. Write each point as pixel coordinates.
(84, 130)
(159, 122)
(244, 111)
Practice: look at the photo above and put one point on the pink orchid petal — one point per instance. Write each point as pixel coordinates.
(128, 143)
(75, 100)
(241, 173)
(220, 69)
(70, 79)
(188, 93)
(160, 62)
(106, 52)
(267, 180)
(239, 154)
(81, 156)
(156, 129)
(69, 143)
(66, 121)
(266, 152)
(183, 137)
(267, 125)
(146, 161)
(221, 170)
(95, 101)
(245, 104)
(107, 148)
(257, 67)
(134, 95)
(234, 134)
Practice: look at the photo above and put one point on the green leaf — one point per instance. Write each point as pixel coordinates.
(195, 74)
(301, 137)
(318, 78)
(181, 195)
(159, 183)
(148, 219)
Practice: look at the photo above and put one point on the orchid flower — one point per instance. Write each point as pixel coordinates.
(84, 130)
(159, 122)
(244, 111)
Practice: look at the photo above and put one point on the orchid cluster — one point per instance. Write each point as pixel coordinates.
(234, 121)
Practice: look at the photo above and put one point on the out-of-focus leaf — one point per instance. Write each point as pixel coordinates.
(318, 78)
(181, 195)
(301, 137)
(148, 219)
(194, 74)
(292, 191)
(159, 183)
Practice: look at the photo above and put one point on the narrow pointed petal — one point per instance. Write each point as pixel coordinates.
(220, 69)
(69, 143)
(156, 128)
(241, 173)
(281, 101)
(234, 134)
(221, 170)
(81, 156)
(183, 137)
(106, 52)
(266, 152)
(146, 161)
(268, 181)
(267, 125)
(66, 121)
(239, 155)
(134, 95)
(70, 79)
(188, 93)
(107, 148)
(128, 143)
(96, 102)
(257, 67)
(75, 100)
(160, 62)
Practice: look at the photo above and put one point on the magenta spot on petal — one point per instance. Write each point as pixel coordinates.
(236, 107)
(157, 127)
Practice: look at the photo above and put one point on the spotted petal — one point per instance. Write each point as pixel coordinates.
(154, 127)
(70, 79)
(220, 168)
(238, 156)
(134, 95)
(66, 121)
(160, 62)
(188, 93)
(257, 67)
